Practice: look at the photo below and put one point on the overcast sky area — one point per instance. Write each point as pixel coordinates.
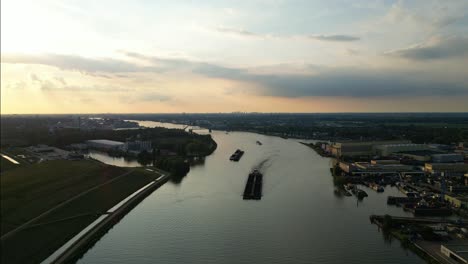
(224, 56)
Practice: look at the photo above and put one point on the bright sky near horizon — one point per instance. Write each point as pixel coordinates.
(223, 56)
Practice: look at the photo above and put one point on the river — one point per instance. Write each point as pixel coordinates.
(299, 219)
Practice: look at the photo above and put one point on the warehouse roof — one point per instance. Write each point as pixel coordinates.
(420, 152)
(106, 142)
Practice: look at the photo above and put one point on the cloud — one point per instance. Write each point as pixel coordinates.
(147, 97)
(237, 32)
(34, 77)
(250, 34)
(17, 85)
(352, 52)
(358, 83)
(58, 84)
(162, 64)
(343, 82)
(336, 38)
(49, 86)
(61, 80)
(151, 97)
(434, 49)
(77, 63)
(312, 81)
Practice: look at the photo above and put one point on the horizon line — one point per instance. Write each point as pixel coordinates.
(235, 112)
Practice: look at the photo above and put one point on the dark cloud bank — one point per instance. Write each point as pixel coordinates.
(440, 49)
(346, 82)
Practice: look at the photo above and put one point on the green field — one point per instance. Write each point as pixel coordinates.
(28, 191)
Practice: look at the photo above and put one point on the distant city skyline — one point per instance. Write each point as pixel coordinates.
(226, 56)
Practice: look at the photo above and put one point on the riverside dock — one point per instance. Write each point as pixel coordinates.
(418, 220)
(394, 200)
(253, 187)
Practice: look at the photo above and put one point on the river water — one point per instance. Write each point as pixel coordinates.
(299, 219)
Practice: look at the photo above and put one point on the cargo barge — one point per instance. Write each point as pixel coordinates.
(253, 187)
(237, 155)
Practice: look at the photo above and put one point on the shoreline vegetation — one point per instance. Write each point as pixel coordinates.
(173, 150)
(440, 128)
(44, 204)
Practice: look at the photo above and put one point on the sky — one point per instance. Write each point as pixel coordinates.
(225, 56)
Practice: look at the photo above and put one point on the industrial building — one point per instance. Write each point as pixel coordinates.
(346, 167)
(418, 155)
(388, 149)
(359, 148)
(375, 167)
(457, 201)
(446, 158)
(384, 162)
(458, 252)
(449, 168)
(41, 149)
(366, 166)
(45, 152)
(137, 146)
(104, 144)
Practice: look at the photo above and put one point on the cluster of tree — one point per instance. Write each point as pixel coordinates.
(177, 166)
(33, 131)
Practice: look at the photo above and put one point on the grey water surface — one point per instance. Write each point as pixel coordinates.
(299, 219)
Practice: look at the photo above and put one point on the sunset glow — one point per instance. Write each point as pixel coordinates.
(224, 56)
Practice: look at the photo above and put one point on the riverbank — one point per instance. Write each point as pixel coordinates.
(317, 148)
(45, 205)
(406, 243)
(415, 234)
(82, 244)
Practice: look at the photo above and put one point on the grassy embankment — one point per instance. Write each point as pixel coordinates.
(31, 190)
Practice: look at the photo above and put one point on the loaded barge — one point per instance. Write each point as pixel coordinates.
(253, 187)
(237, 155)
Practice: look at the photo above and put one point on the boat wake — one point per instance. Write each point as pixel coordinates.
(263, 165)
